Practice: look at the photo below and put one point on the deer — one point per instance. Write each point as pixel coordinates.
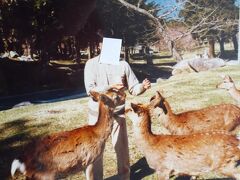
(229, 85)
(63, 153)
(193, 154)
(224, 117)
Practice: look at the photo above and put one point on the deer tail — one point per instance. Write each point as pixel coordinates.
(17, 165)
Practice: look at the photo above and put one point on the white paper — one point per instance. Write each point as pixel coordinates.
(110, 53)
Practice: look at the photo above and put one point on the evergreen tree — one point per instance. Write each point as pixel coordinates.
(118, 22)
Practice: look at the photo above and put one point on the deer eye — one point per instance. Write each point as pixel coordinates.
(117, 98)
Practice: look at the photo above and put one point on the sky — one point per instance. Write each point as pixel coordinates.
(169, 4)
(173, 1)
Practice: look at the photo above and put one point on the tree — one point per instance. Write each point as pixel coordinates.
(211, 19)
(47, 20)
(204, 17)
(132, 27)
(158, 23)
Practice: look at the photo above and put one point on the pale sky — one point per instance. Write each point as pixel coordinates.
(169, 4)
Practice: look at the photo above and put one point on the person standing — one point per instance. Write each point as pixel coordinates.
(101, 77)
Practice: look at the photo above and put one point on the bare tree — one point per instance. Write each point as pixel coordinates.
(209, 22)
(160, 30)
(211, 19)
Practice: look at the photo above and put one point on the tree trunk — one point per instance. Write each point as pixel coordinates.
(221, 43)
(174, 52)
(78, 53)
(235, 43)
(92, 49)
(126, 55)
(89, 51)
(211, 50)
(148, 55)
(176, 55)
(161, 31)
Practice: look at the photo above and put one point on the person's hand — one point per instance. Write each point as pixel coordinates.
(146, 84)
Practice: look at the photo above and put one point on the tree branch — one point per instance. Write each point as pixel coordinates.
(139, 3)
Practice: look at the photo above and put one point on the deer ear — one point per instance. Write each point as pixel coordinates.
(95, 95)
(158, 94)
(106, 100)
(136, 108)
(152, 98)
(117, 89)
(230, 79)
(156, 100)
(121, 89)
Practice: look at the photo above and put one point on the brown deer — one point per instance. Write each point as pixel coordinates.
(194, 154)
(60, 154)
(229, 85)
(219, 117)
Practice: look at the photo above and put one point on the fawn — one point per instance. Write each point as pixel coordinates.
(194, 154)
(219, 117)
(62, 153)
(229, 85)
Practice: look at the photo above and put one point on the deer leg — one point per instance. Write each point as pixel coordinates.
(94, 171)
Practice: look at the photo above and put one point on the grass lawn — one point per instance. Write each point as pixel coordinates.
(184, 92)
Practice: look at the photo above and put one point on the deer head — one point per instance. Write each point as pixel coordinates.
(227, 83)
(135, 112)
(157, 104)
(117, 96)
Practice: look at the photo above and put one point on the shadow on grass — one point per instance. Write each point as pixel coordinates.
(140, 169)
(11, 146)
(144, 56)
(229, 54)
(152, 72)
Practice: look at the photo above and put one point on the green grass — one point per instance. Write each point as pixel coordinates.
(184, 92)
